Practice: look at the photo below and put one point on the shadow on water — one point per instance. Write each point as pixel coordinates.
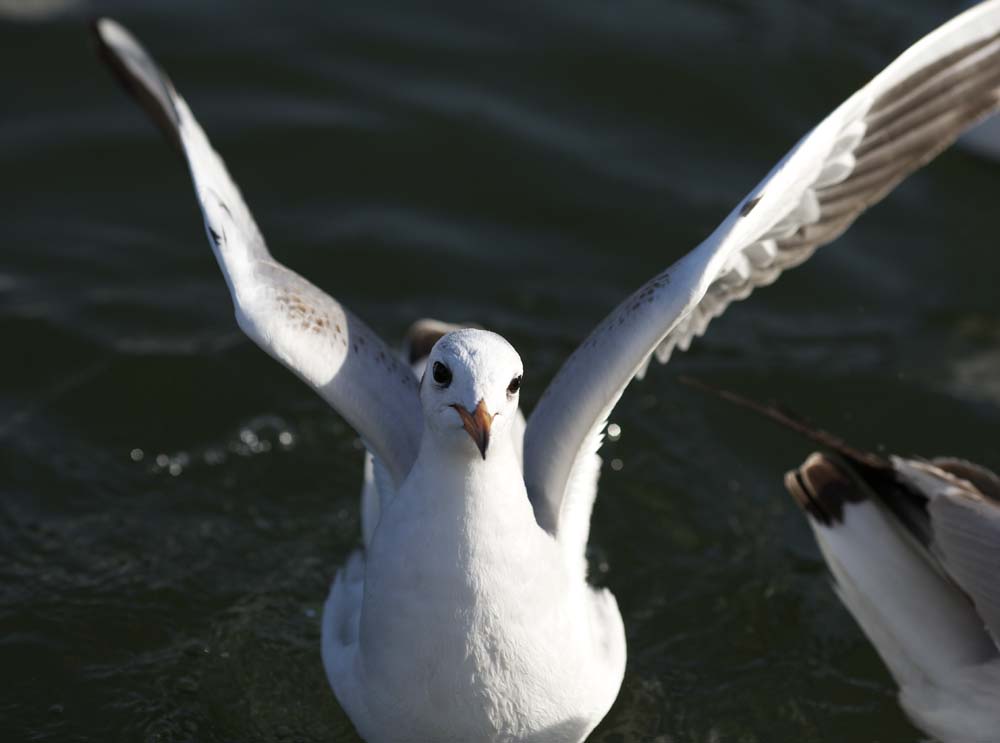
(173, 504)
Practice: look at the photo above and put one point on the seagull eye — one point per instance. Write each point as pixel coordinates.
(442, 374)
(514, 386)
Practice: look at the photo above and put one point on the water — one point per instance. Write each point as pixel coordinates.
(173, 504)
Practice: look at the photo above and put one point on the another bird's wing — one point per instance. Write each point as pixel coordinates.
(914, 613)
(966, 528)
(295, 322)
(898, 122)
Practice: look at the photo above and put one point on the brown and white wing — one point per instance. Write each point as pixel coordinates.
(295, 322)
(898, 122)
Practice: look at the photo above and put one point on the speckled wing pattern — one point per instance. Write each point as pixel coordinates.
(898, 122)
(295, 322)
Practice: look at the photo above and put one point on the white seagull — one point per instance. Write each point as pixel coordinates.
(914, 549)
(466, 615)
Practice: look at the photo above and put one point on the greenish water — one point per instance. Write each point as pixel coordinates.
(164, 556)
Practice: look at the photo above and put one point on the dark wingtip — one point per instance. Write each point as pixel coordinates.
(823, 487)
(155, 100)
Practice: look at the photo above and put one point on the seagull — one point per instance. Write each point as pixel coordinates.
(466, 613)
(914, 549)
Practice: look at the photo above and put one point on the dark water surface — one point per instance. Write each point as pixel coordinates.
(173, 504)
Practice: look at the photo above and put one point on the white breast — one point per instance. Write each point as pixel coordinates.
(472, 626)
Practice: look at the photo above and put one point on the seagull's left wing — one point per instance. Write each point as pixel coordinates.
(898, 122)
(295, 322)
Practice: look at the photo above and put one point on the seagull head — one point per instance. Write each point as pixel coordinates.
(470, 390)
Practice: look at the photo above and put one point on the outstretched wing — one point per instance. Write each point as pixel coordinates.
(898, 122)
(295, 322)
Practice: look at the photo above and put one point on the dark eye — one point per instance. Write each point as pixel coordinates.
(514, 386)
(442, 374)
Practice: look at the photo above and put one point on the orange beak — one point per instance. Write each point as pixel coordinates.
(477, 424)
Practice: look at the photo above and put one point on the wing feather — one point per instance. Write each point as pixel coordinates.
(295, 322)
(898, 122)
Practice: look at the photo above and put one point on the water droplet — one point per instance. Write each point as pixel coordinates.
(614, 431)
(136, 455)
(285, 438)
(175, 468)
(617, 464)
(162, 460)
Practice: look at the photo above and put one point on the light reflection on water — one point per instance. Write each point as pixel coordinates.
(524, 167)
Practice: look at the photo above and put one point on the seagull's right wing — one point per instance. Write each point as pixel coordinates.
(896, 123)
(295, 322)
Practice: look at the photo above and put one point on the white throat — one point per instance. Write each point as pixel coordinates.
(451, 474)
